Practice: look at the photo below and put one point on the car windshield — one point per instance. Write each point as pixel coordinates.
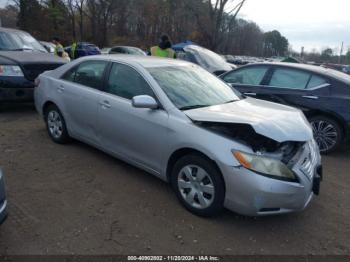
(19, 41)
(190, 87)
(207, 58)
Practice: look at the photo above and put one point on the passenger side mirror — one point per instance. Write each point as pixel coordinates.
(144, 101)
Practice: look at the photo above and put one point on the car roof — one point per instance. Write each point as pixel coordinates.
(9, 30)
(326, 72)
(144, 61)
(126, 46)
(312, 68)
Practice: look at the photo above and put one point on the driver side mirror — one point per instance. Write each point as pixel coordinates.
(144, 101)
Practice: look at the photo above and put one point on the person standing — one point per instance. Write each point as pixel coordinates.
(163, 49)
(59, 50)
(73, 50)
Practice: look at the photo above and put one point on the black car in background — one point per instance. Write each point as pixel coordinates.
(322, 94)
(22, 59)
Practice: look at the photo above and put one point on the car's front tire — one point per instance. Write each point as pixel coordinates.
(56, 125)
(198, 185)
(327, 132)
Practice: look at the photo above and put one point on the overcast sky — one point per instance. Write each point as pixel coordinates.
(309, 23)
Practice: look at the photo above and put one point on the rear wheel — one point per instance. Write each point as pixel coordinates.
(327, 132)
(56, 125)
(198, 185)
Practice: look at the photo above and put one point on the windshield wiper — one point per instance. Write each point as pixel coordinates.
(193, 107)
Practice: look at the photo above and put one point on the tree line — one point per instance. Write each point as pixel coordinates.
(328, 55)
(214, 24)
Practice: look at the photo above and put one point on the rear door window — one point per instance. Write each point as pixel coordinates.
(91, 74)
(118, 50)
(316, 81)
(247, 76)
(289, 78)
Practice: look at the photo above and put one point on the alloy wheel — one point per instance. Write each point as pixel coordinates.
(325, 134)
(55, 124)
(196, 186)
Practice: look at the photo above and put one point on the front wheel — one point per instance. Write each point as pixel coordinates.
(56, 125)
(327, 132)
(198, 185)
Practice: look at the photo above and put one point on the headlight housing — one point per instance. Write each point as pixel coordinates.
(269, 167)
(10, 70)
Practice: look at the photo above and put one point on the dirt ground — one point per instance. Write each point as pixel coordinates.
(75, 199)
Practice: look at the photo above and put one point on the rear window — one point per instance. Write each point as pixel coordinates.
(316, 81)
(339, 75)
(289, 78)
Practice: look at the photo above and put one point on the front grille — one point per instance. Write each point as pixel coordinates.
(32, 71)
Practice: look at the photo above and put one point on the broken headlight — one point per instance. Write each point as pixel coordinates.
(265, 166)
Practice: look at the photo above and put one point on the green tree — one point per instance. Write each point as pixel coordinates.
(275, 44)
(326, 55)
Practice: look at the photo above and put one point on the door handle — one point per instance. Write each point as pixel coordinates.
(60, 89)
(105, 104)
(311, 97)
(250, 94)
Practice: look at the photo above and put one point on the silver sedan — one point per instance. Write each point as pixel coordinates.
(180, 123)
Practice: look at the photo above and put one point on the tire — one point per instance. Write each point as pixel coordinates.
(56, 125)
(205, 194)
(327, 132)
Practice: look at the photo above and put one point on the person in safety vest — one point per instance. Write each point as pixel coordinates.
(164, 48)
(73, 50)
(59, 50)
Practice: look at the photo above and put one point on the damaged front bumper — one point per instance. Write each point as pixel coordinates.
(251, 194)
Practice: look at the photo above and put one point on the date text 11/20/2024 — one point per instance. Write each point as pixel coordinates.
(173, 258)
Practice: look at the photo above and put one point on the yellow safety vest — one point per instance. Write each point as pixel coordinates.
(157, 51)
(58, 49)
(73, 50)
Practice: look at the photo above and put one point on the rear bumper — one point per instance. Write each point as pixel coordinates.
(14, 89)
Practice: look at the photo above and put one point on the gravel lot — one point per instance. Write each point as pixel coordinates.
(75, 199)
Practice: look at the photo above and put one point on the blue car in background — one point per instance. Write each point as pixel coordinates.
(84, 49)
(3, 201)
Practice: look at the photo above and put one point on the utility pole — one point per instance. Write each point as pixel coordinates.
(341, 51)
(302, 52)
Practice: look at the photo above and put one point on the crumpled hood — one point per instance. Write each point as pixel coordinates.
(278, 122)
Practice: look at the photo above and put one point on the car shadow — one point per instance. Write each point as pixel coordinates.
(16, 107)
(152, 182)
